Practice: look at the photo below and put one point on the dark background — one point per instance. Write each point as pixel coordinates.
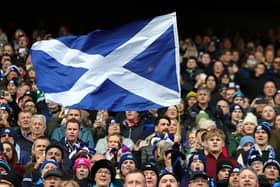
(223, 19)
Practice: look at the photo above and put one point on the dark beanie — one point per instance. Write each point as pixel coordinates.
(223, 164)
(263, 126)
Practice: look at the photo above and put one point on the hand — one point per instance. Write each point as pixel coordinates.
(39, 160)
(137, 145)
(62, 113)
(8, 96)
(97, 123)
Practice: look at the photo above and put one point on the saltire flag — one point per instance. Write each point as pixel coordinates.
(133, 67)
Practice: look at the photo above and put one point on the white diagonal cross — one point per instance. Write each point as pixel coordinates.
(98, 67)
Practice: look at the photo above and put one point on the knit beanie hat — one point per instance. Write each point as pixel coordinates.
(271, 162)
(263, 126)
(237, 94)
(52, 161)
(234, 107)
(223, 164)
(250, 118)
(126, 156)
(81, 161)
(201, 115)
(246, 139)
(197, 156)
(206, 123)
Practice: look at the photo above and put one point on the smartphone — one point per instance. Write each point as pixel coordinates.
(20, 50)
(261, 101)
(99, 117)
(66, 111)
(231, 85)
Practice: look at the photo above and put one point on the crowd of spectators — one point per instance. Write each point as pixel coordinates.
(224, 132)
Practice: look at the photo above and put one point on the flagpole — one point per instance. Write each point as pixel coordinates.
(178, 131)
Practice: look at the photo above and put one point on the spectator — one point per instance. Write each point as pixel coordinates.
(132, 127)
(85, 135)
(151, 174)
(262, 135)
(52, 178)
(271, 170)
(246, 142)
(215, 140)
(135, 179)
(248, 177)
(127, 164)
(224, 168)
(199, 178)
(10, 135)
(234, 177)
(167, 179)
(24, 123)
(81, 170)
(71, 143)
(113, 126)
(103, 173)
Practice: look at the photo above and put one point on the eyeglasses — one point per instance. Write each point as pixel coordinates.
(105, 172)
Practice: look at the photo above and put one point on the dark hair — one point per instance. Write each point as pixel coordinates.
(14, 158)
(73, 120)
(200, 130)
(162, 117)
(203, 135)
(55, 146)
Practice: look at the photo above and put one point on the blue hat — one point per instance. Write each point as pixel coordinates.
(5, 165)
(236, 107)
(271, 162)
(52, 161)
(263, 126)
(32, 95)
(237, 94)
(10, 131)
(197, 156)
(254, 157)
(246, 139)
(12, 68)
(198, 174)
(151, 166)
(235, 170)
(6, 107)
(126, 156)
(165, 172)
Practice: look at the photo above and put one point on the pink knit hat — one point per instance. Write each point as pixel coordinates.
(81, 161)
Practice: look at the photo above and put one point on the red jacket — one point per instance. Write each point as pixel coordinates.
(211, 163)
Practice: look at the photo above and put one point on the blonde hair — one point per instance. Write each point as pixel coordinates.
(68, 183)
(215, 132)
